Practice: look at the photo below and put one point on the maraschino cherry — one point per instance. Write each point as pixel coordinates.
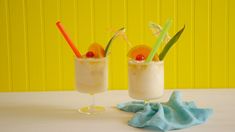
(90, 54)
(140, 57)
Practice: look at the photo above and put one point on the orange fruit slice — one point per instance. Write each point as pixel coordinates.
(156, 57)
(143, 50)
(97, 50)
(139, 49)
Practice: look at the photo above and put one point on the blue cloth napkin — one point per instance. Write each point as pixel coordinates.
(174, 114)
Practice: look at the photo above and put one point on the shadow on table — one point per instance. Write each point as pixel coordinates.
(59, 113)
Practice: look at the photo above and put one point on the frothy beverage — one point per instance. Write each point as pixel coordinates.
(146, 80)
(91, 75)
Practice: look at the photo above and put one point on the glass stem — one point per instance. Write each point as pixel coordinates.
(92, 101)
(146, 101)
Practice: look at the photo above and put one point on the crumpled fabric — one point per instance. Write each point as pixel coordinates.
(172, 115)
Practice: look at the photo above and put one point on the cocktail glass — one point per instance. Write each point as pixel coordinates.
(91, 78)
(145, 80)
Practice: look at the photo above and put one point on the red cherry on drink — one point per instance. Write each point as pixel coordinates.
(139, 57)
(90, 54)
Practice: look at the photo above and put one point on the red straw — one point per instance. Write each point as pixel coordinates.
(75, 50)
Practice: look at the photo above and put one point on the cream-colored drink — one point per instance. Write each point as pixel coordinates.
(146, 80)
(91, 75)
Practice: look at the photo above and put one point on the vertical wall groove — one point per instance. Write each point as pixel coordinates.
(227, 43)
(92, 22)
(193, 42)
(177, 54)
(228, 47)
(110, 74)
(76, 22)
(77, 26)
(43, 43)
(125, 13)
(210, 38)
(159, 10)
(110, 62)
(126, 47)
(60, 43)
(231, 42)
(61, 67)
(175, 58)
(26, 44)
(142, 26)
(8, 45)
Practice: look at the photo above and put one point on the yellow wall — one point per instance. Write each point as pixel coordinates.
(34, 56)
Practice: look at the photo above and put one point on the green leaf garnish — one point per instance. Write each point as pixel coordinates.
(111, 40)
(170, 43)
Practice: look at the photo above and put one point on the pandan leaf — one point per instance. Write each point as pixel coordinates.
(170, 43)
(111, 40)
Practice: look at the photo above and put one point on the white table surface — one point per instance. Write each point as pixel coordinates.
(56, 111)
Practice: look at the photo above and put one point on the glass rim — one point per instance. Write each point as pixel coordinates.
(133, 62)
(91, 59)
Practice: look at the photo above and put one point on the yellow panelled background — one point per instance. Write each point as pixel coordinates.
(35, 57)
